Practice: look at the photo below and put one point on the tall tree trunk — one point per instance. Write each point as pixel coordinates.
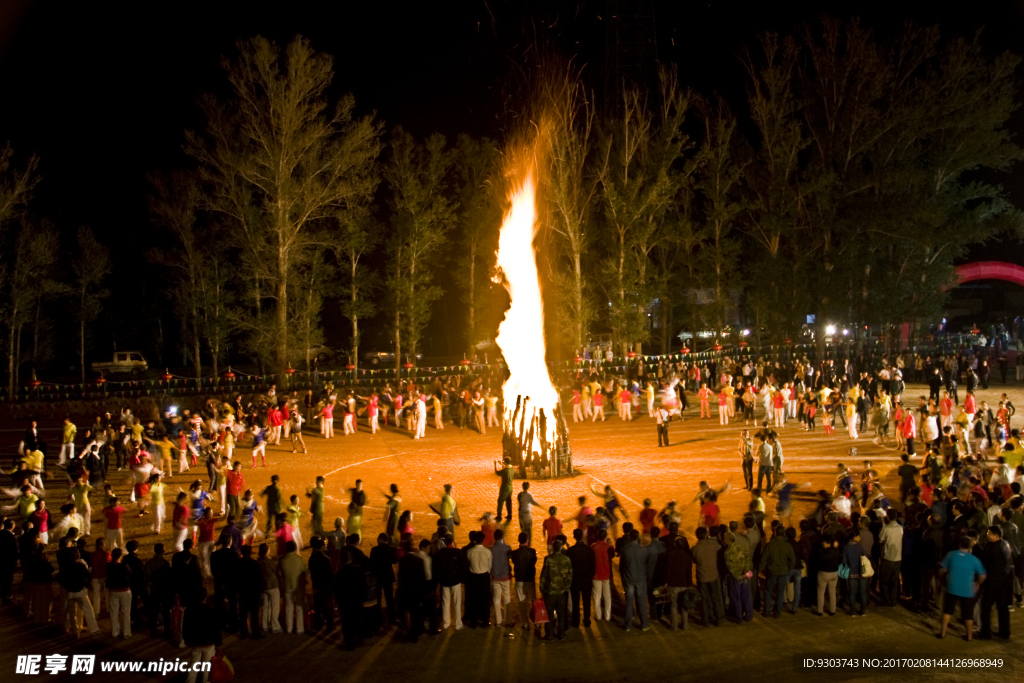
(17, 355)
(10, 355)
(281, 313)
(354, 295)
(472, 297)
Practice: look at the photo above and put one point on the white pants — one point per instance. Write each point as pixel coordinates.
(793, 406)
(86, 512)
(650, 407)
(201, 654)
(67, 452)
(205, 550)
(374, 423)
(603, 598)
(222, 493)
(780, 417)
(179, 538)
(115, 539)
(294, 610)
(451, 603)
(945, 421)
(80, 601)
(852, 425)
(272, 610)
(297, 537)
(577, 413)
(120, 604)
(526, 593)
(349, 424)
(723, 415)
(158, 520)
(501, 595)
(421, 427)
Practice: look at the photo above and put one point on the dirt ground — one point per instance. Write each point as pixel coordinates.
(622, 454)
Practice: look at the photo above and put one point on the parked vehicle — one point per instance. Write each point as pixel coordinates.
(376, 358)
(123, 363)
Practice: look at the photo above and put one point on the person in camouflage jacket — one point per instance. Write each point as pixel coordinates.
(740, 564)
(555, 580)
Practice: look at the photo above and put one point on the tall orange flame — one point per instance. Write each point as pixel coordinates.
(521, 333)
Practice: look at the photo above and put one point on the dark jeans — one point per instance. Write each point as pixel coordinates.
(387, 590)
(586, 592)
(794, 575)
(249, 614)
(748, 474)
(889, 582)
(742, 601)
(158, 606)
(226, 617)
(478, 599)
(558, 616)
(323, 609)
(775, 592)
(763, 472)
(662, 435)
(507, 502)
(711, 607)
(636, 592)
(1000, 597)
(857, 590)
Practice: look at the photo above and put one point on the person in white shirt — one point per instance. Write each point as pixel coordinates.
(421, 417)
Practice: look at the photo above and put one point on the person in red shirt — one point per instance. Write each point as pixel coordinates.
(946, 410)
(98, 560)
(648, 516)
(115, 534)
(274, 422)
(179, 520)
(723, 407)
(909, 432)
(626, 405)
(598, 405)
(284, 534)
(709, 511)
(40, 519)
(705, 398)
(235, 484)
(603, 552)
(577, 409)
(206, 526)
(779, 404)
(488, 527)
(552, 527)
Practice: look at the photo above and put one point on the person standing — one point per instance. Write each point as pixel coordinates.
(739, 563)
(449, 568)
(201, 633)
(321, 576)
(421, 417)
(503, 469)
(764, 463)
(705, 556)
(555, 583)
(583, 568)
(746, 448)
(602, 590)
(662, 416)
(633, 572)
(478, 579)
(80, 494)
(293, 571)
(526, 504)
(234, 484)
(119, 594)
(296, 420)
(271, 608)
(316, 508)
(964, 575)
(449, 511)
(704, 394)
(891, 538)
(115, 531)
(997, 558)
(67, 444)
(524, 568)
(501, 577)
(777, 560)
(251, 587)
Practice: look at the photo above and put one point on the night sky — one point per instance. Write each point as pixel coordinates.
(103, 91)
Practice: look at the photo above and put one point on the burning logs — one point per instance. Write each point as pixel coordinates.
(525, 442)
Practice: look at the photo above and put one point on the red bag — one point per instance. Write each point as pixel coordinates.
(539, 612)
(221, 669)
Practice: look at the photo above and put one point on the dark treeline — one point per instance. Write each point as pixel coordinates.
(845, 183)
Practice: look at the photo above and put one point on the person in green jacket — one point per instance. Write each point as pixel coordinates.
(505, 475)
(555, 580)
(67, 444)
(316, 507)
(776, 561)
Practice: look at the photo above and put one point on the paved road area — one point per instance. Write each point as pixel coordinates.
(623, 454)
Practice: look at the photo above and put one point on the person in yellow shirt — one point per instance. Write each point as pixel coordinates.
(585, 394)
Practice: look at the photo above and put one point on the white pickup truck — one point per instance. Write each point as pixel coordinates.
(124, 362)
